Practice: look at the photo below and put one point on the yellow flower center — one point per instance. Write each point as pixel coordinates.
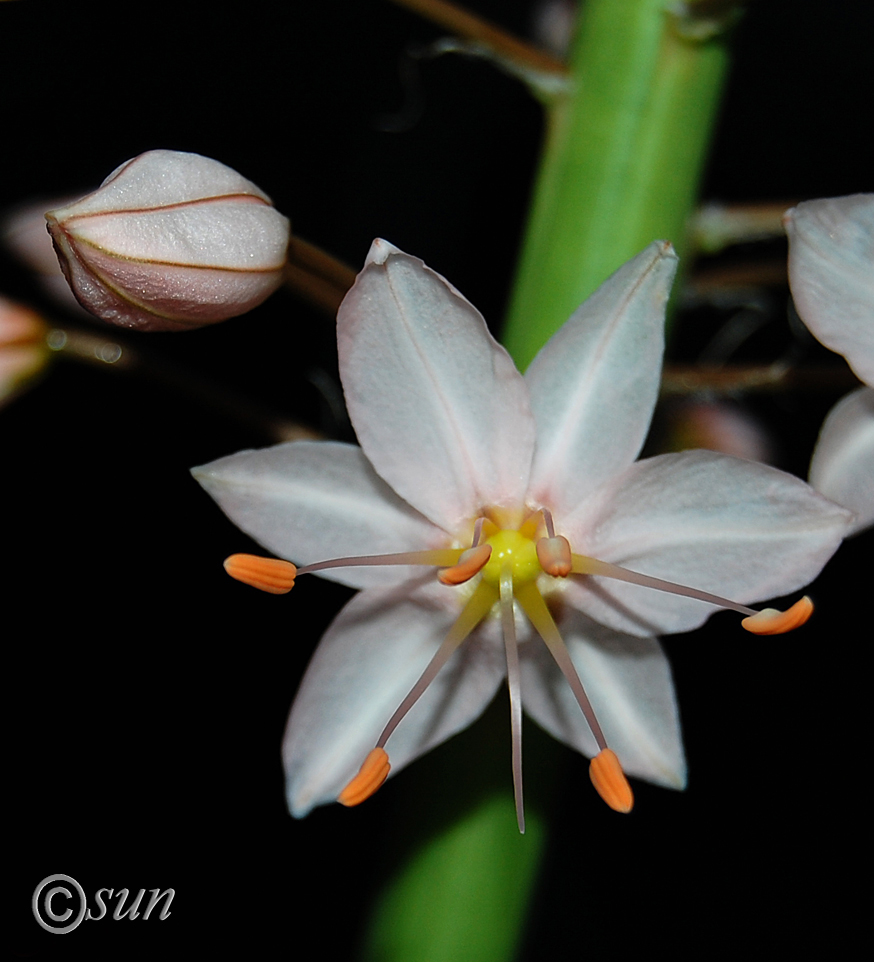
(511, 549)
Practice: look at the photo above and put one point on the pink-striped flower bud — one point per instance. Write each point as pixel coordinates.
(171, 241)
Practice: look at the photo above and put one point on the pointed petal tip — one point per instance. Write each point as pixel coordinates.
(380, 251)
(665, 249)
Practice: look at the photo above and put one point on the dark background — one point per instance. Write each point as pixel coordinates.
(148, 692)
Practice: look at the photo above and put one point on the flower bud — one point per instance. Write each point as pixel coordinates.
(171, 241)
(23, 350)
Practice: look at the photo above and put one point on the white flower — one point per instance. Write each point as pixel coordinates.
(831, 273)
(452, 434)
(171, 241)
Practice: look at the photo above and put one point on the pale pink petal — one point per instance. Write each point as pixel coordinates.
(593, 387)
(172, 176)
(843, 460)
(438, 406)
(831, 273)
(736, 528)
(310, 501)
(628, 681)
(367, 662)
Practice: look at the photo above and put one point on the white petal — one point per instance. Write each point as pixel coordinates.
(628, 681)
(593, 387)
(159, 178)
(365, 665)
(235, 233)
(736, 528)
(313, 501)
(843, 460)
(831, 273)
(438, 406)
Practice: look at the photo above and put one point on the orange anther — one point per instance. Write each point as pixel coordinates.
(554, 555)
(772, 622)
(610, 781)
(469, 564)
(267, 574)
(370, 776)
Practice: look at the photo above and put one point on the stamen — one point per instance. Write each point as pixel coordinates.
(610, 781)
(471, 562)
(477, 607)
(514, 686)
(770, 621)
(547, 520)
(370, 777)
(774, 622)
(584, 565)
(267, 574)
(376, 766)
(477, 531)
(439, 558)
(539, 615)
(554, 555)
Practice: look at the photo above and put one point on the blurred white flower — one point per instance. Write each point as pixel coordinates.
(831, 274)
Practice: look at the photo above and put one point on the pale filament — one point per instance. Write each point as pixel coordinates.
(539, 615)
(514, 686)
(477, 607)
(584, 565)
(438, 557)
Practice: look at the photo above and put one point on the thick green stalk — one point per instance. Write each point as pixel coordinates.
(465, 891)
(623, 156)
(461, 876)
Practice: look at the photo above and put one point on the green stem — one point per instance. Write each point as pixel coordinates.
(624, 151)
(461, 876)
(621, 166)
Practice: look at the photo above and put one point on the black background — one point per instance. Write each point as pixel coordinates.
(148, 692)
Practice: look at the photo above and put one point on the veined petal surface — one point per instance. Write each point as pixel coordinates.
(736, 528)
(164, 178)
(367, 662)
(831, 273)
(310, 501)
(628, 681)
(594, 385)
(843, 460)
(437, 404)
